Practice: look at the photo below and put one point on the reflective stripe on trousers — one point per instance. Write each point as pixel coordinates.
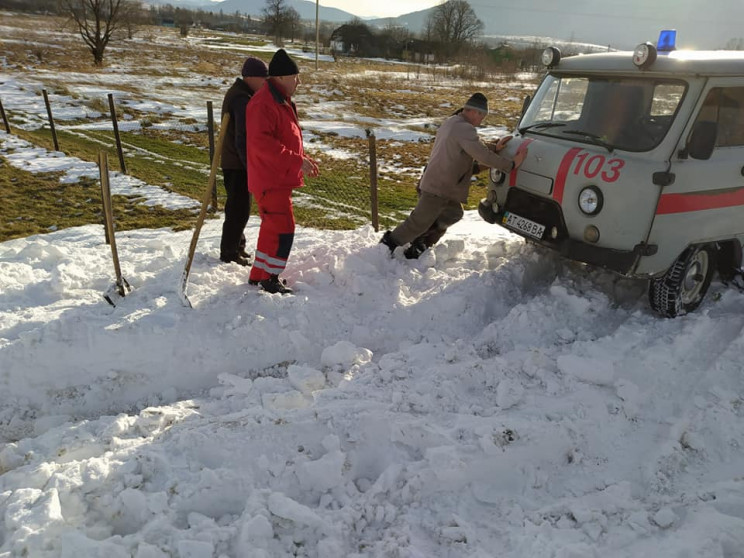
(276, 234)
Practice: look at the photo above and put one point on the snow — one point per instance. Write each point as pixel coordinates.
(487, 396)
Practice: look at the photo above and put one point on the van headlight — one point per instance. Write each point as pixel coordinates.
(497, 176)
(591, 200)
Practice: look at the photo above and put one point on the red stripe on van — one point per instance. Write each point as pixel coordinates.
(522, 147)
(683, 203)
(560, 179)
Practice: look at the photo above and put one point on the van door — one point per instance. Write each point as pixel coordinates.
(706, 201)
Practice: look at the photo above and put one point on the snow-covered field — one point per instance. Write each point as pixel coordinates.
(488, 400)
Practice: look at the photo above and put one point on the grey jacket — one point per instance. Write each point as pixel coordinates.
(450, 166)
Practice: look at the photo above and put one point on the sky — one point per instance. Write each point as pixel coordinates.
(488, 399)
(380, 8)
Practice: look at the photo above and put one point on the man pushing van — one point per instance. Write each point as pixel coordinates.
(445, 184)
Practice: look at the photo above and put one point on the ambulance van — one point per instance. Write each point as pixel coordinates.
(635, 163)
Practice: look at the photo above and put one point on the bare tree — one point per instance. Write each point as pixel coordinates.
(293, 24)
(96, 21)
(276, 16)
(133, 16)
(453, 24)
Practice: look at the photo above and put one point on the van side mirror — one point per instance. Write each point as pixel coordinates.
(526, 104)
(702, 141)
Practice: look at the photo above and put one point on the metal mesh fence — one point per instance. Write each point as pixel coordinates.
(173, 150)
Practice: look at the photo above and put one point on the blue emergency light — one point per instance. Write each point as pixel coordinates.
(667, 41)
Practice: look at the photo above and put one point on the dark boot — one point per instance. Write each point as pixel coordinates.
(254, 282)
(241, 247)
(432, 236)
(387, 240)
(237, 258)
(415, 249)
(275, 285)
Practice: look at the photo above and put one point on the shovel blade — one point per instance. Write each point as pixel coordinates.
(117, 291)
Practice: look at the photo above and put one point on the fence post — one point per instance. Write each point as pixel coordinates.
(51, 119)
(5, 118)
(373, 179)
(112, 108)
(210, 130)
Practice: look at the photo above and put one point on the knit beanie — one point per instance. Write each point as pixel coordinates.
(254, 67)
(282, 65)
(477, 101)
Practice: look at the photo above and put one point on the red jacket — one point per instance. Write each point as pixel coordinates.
(273, 141)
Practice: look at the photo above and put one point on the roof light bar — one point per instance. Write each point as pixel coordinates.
(667, 41)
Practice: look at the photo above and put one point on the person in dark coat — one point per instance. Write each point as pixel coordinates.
(277, 164)
(234, 168)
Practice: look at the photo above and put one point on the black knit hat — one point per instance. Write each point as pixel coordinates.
(282, 65)
(477, 101)
(254, 67)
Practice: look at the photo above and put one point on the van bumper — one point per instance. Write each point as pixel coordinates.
(619, 261)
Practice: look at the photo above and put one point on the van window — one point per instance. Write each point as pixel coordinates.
(633, 114)
(725, 106)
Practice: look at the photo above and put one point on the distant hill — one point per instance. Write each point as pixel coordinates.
(305, 8)
(413, 21)
(616, 24)
(606, 22)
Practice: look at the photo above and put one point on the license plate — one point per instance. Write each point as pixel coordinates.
(530, 228)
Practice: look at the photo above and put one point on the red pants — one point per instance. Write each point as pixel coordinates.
(276, 234)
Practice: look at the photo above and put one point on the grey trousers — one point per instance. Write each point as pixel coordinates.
(429, 219)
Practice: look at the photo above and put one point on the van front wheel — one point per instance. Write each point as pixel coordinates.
(682, 288)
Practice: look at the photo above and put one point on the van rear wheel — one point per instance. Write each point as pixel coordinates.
(682, 288)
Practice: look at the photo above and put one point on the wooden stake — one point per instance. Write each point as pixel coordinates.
(51, 119)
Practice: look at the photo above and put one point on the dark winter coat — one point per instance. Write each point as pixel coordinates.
(274, 141)
(233, 148)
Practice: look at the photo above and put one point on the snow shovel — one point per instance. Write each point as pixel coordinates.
(121, 287)
(202, 214)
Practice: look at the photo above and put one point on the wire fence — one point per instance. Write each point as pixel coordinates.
(174, 151)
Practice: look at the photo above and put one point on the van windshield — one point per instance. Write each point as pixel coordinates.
(619, 113)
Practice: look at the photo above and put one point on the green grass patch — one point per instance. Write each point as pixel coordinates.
(39, 203)
(238, 41)
(311, 217)
(174, 166)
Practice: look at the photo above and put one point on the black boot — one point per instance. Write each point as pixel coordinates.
(387, 240)
(241, 248)
(237, 258)
(275, 285)
(415, 249)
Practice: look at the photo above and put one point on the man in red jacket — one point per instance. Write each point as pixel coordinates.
(276, 165)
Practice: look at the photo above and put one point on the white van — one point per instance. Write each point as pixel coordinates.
(636, 164)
